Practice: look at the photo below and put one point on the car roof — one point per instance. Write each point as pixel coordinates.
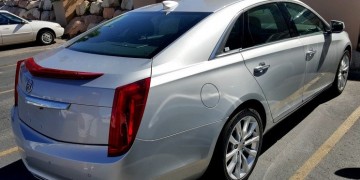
(200, 5)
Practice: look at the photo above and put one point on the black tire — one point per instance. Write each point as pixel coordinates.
(342, 74)
(219, 164)
(45, 37)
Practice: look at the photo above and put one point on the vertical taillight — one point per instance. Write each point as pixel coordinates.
(17, 81)
(127, 111)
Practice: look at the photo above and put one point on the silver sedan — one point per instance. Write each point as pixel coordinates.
(174, 90)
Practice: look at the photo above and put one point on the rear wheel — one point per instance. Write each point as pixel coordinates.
(45, 37)
(239, 146)
(342, 74)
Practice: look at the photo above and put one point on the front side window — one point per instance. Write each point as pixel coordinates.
(3, 20)
(138, 34)
(11, 19)
(306, 22)
(264, 24)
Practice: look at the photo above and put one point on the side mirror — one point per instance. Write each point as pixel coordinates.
(23, 22)
(337, 26)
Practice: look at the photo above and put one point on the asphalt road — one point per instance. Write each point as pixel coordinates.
(316, 142)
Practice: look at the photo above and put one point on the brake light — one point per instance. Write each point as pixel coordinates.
(18, 64)
(127, 111)
(39, 71)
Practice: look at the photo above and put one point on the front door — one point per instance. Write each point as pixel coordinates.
(311, 30)
(274, 57)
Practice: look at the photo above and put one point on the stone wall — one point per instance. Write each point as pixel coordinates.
(30, 9)
(80, 15)
(89, 13)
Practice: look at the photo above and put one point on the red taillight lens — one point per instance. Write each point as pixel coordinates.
(128, 109)
(37, 70)
(18, 64)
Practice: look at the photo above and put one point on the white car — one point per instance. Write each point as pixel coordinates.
(14, 30)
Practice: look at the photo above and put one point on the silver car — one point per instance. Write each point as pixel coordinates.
(174, 90)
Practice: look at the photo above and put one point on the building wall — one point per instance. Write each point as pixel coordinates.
(347, 11)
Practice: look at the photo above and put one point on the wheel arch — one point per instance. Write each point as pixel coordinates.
(348, 48)
(252, 104)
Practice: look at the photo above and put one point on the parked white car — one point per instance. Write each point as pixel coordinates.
(14, 30)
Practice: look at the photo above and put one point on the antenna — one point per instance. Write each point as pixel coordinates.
(169, 5)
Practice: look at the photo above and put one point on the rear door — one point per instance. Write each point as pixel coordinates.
(274, 58)
(311, 30)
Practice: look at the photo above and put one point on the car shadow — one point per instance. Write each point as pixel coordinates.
(22, 45)
(349, 173)
(354, 76)
(286, 125)
(19, 46)
(16, 170)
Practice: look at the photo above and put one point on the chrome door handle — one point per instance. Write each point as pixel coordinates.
(261, 68)
(41, 103)
(310, 54)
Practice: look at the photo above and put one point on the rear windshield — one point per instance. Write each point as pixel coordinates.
(138, 34)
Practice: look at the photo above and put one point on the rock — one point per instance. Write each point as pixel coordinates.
(12, 3)
(96, 8)
(22, 13)
(108, 13)
(127, 4)
(91, 26)
(47, 15)
(17, 10)
(23, 3)
(92, 19)
(32, 14)
(70, 8)
(108, 3)
(46, 5)
(117, 13)
(82, 7)
(75, 27)
(32, 4)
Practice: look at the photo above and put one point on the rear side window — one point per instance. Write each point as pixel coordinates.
(306, 22)
(264, 24)
(138, 34)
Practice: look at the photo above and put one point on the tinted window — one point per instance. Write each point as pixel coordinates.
(3, 20)
(264, 24)
(306, 22)
(11, 19)
(137, 34)
(234, 40)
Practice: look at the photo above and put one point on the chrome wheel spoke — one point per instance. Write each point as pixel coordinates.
(251, 130)
(251, 151)
(231, 166)
(246, 125)
(252, 140)
(244, 163)
(233, 141)
(231, 155)
(238, 130)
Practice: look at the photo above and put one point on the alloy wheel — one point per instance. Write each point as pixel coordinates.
(242, 148)
(343, 73)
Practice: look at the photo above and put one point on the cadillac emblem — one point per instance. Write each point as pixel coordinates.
(29, 86)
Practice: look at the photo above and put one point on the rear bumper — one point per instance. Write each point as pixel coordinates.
(159, 159)
(49, 159)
